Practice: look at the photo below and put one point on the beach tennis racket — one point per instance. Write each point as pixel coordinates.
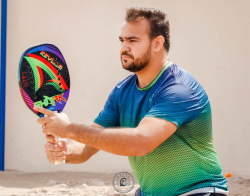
(44, 79)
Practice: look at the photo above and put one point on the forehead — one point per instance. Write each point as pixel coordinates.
(138, 28)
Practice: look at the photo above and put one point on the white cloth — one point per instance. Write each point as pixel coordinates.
(206, 190)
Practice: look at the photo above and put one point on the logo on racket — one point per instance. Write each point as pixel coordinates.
(50, 100)
(38, 63)
(51, 60)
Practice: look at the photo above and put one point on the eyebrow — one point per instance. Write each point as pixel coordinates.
(125, 38)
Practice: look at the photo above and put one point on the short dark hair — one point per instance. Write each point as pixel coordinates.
(159, 23)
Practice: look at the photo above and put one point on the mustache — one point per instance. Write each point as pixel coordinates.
(125, 53)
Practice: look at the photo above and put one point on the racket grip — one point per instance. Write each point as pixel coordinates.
(58, 141)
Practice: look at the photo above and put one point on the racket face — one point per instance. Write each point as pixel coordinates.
(44, 78)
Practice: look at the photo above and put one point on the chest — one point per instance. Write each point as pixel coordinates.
(133, 105)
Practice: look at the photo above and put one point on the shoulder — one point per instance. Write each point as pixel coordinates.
(175, 92)
(177, 80)
(122, 85)
(179, 84)
(127, 81)
(175, 73)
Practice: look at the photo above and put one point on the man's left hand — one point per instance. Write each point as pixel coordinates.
(56, 124)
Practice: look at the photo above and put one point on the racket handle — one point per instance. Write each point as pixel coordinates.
(58, 141)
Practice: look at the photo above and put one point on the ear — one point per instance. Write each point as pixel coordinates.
(158, 43)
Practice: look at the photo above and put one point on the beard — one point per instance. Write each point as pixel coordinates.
(139, 63)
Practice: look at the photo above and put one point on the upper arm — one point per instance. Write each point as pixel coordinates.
(175, 105)
(153, 131)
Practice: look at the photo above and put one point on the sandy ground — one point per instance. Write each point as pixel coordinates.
(13, 183)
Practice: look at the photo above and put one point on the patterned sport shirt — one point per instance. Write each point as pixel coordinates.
(185, 161)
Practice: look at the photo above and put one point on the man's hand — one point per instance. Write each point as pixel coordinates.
(54, 151)
(55, 124)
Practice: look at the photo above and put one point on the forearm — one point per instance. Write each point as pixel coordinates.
(74, 151)
(120, 141)
(78, 152)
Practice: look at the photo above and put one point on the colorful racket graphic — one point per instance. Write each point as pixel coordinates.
(44, 79)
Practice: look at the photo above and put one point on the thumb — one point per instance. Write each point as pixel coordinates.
(62, 143)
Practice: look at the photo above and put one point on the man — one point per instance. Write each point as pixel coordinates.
(163, 113)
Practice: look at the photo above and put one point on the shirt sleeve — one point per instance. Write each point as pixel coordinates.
(108, 116)
(176, 103)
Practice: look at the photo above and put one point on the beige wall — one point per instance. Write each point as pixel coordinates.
(210, 39)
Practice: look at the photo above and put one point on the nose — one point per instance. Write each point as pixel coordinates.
(124, 48)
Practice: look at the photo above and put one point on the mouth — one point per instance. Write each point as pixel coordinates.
(126, 57)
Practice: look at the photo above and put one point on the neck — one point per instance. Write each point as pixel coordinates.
(149, 73)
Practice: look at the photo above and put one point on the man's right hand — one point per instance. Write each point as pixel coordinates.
(55, 151)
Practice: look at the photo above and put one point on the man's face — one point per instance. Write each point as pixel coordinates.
(135, 45)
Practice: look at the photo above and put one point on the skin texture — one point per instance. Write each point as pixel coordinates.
(135, 48)
(146, 58)
(72, 152)
(135, 42)
(137, 141)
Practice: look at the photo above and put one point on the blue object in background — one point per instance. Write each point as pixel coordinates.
(3, 81)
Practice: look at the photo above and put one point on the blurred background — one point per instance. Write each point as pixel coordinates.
(210, 39)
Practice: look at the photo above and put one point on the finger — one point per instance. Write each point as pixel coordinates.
(54, 148)
(62, 143)
(43, 110)
(62, 148)
(43, 120)
(51, 159)
(46, 131)
(55, 154)
(59, 158)
(51, 139)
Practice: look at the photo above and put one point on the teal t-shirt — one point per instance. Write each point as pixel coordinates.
(185, 161)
